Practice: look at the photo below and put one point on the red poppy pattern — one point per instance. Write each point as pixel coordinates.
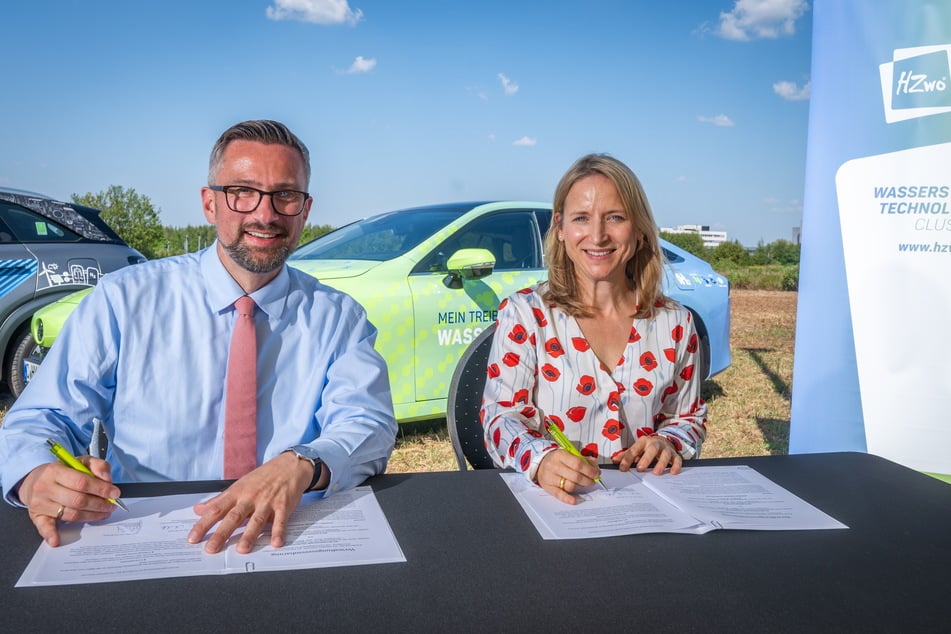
(518, 334)
(648, 361)
(553, 348)
(534, 378)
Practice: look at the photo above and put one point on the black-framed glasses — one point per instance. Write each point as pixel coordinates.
(244, 199)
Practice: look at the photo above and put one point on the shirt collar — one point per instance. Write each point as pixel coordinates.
(223, 290)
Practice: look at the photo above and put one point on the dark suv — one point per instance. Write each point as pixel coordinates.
(48, 249)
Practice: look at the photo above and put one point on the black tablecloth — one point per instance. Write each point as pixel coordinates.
(476, 563)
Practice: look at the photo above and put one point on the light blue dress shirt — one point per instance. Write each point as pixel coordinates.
(147, 352)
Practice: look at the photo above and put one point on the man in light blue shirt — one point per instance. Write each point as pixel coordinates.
(147, 353)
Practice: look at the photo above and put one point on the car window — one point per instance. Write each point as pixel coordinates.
(6, 233)
(27, 226)
(381, 238)
(511, 236)
(544, 221)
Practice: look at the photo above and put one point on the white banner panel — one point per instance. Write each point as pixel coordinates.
(895, 215)
(875, 273)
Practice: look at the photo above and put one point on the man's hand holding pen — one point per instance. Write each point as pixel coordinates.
(54, 491)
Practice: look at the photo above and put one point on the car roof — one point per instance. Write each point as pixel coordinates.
(463, 207)
(80, 219)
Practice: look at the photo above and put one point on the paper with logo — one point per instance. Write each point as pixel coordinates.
(695, 501)
(149, 542)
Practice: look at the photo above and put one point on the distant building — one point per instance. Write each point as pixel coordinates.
(797, 235)
(710, 238)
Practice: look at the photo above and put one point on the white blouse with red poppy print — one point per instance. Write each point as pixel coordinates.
(541, 370)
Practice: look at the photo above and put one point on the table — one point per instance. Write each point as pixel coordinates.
(476, 563)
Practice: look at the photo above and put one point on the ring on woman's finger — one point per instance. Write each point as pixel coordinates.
(561, 484)
(59, 513)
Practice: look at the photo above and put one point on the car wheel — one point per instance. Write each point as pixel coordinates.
(23, 348)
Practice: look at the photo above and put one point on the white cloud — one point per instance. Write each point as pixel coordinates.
(361, 65)
(720, 120)
(525, 141)
(509, 86)
(492, 136)
(315, 11)
(761, 19)
(470, 90)
(790, 91)
(681, 179)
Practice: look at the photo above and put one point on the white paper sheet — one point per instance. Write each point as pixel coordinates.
(346, 529)
(698, 500)
(738, 498)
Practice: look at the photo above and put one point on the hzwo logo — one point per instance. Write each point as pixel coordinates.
(915, 83)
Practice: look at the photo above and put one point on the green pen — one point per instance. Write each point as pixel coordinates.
(566, 444)
(70, 461)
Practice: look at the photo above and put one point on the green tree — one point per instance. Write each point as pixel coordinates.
(187, 239)
(314, 231)
(733, 252)
(778, 252)
(785, 252)
(131, 215)
(690, 242)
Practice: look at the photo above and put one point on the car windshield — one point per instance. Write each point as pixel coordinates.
(381, 237)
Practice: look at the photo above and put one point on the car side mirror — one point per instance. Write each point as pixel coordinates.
(468, 264)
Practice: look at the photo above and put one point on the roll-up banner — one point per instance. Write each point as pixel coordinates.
(873, 336)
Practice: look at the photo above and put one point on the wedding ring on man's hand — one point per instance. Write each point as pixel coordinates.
(561, 484)
(59, 513)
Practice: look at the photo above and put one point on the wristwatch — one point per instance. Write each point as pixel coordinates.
(303, 452)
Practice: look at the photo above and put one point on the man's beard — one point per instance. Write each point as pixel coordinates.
(257, 260)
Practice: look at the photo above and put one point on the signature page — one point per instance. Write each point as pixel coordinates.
(150, 541)
(738, 497)
(627, 508)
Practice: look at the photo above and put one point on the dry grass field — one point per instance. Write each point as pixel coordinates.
(748, 403)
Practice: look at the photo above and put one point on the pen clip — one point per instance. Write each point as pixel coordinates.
(99, 443)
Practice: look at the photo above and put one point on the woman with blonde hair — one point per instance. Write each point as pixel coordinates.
(597, 350)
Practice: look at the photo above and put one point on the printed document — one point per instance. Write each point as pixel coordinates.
(697, 500)
(148, 542)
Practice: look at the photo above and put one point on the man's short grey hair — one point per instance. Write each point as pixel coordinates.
(262, 131)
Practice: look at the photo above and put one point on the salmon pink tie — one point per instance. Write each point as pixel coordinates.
(241, 395)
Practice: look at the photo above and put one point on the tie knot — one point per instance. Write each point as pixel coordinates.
(244, 305)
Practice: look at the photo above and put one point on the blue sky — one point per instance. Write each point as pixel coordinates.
(418, 102)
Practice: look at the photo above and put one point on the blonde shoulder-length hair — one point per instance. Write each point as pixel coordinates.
(645, 268)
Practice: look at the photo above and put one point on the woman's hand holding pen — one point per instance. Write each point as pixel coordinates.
(560, 473)
(54, 491)
(649, 450)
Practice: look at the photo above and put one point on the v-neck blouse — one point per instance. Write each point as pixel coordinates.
(542, 370)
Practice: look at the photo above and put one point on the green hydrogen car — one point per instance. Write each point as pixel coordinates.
(431, 279)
